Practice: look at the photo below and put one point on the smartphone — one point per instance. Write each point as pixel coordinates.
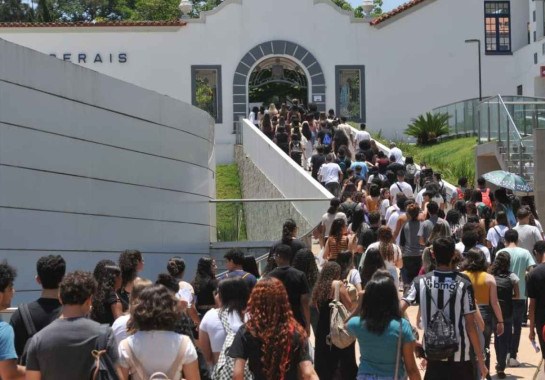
(535, 345)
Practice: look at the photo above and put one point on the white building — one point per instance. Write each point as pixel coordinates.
(382, 72)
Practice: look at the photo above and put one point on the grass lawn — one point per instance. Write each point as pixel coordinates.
(229, 216)
(453, 158)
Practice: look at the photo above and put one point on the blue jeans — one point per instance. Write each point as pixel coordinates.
(519, 314)
(489, 324)
(502, 344)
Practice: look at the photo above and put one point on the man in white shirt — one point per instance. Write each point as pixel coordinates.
(528, 235)
(361, 135)
(401, 186)
(331, 175)
(396, 152)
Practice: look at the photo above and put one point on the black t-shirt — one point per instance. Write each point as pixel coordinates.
(316, 161)
(204, 293)
(246, 346)
(395, 167)
(43, 311)
(124, 297)
(105, 315)
(368, 236)
(296, 285)
(536, 290)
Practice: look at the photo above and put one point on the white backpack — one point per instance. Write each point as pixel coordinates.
(338, 334)
(140, 373)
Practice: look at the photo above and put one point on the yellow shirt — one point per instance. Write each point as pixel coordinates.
(480, 287)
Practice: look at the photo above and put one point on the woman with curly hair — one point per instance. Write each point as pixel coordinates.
(106, 303)
(305, 261)
(372, 262)
(186, 293)
(289, 238)
(154, 346)
(272, 341)
(130, 263)
(205, 284)
(329, 358)
(338, 240)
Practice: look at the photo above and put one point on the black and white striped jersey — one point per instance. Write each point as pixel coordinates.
(442, 286)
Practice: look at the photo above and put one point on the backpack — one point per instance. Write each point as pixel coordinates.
(351, 288)
(410, 171)
(486, 197)
(104, 367)
(505, 295)
(499, 246)
(349, 211)
(29, 327)
(327, 139)
(226, 365)
(140, 372)
(440, 340)
(338, 335)
(343, 165)
(296, 146)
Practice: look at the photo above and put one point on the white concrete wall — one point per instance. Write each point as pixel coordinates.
(414, 62)
(288, 177)
(90, 166)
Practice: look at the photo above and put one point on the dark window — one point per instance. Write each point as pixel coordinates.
(535, 58)
(497, 26)
(519, 90)
(206, 89)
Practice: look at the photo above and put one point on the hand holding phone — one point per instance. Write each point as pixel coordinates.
(534, 344)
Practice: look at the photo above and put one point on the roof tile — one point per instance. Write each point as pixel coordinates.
(91, 24)
(396, 11)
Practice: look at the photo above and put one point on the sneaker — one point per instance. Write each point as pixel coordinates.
(501, 374)
(513, 362)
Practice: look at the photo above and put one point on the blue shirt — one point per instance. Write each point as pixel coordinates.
(364, 168)
(378, 352)
(248, 278)
(7, 342)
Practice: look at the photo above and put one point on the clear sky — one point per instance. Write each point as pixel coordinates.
(388, 4)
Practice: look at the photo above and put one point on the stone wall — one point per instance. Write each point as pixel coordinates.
(264, 219)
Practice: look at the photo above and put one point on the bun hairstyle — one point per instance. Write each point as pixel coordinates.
(287, 231)
(176, 266)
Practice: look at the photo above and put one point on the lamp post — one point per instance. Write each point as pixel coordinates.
(185, 7)
(475, 40)
(367, 7)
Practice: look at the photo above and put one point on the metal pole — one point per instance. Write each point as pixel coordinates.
(480, 71)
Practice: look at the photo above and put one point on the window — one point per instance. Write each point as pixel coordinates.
(519, 90)
(350, 92)
(497, 27)
(206, 90)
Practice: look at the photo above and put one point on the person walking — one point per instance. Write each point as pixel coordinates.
(205, 284)
(536, 297)
(386, 339)
(445, 290)
(410, 246)
(331, 175)
(273, 343)
(329, 358)
(106, 306)
(507, 288)
(338, 240)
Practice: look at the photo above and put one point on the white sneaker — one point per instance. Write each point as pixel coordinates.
(512, 362)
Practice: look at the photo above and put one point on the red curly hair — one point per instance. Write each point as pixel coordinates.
(272, 322)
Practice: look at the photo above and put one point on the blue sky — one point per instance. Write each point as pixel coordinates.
(388, 4)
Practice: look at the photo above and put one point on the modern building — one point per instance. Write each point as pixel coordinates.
(383, 71)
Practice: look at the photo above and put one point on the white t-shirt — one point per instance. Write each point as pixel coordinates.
(211, 324)
(492, 236)
(460, 247)
(157, 350)
(362, 135)
(119, 328)
(397, 253)
(401, 187)
(327, 220)
(384, 207)
(393, 208)
(329, 172)
(186, 293)
(396, 152)
(354, 277)
(419, 199)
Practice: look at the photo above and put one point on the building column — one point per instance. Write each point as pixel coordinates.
(539, 171)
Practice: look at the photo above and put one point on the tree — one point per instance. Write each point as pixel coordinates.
(156, 10)
(89, 10)
(42, 12)
(15, 11)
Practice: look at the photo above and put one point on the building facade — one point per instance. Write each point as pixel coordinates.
(383, 72)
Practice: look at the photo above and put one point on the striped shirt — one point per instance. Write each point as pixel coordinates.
(442, 286)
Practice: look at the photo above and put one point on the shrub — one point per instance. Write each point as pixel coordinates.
(427, 128)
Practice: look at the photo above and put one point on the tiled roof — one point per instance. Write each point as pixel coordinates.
(396, 11)
(91, 24)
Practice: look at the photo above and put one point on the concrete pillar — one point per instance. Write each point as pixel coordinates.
(539, 171)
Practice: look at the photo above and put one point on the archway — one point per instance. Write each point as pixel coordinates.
(287, 52)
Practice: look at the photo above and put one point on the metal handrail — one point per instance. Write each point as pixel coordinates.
(510, 118)
(269, 200)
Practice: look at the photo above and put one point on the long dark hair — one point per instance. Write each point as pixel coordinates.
(105, 273)
(474, 261)
(204, 273)
(501, 264)
(346, 260)
(287, 231)
(304, 261)
(234, 294)
(372, 262)
(337, 229)
(306, 130)
(380, 302)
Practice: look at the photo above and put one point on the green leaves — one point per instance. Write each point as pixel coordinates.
(427, 128)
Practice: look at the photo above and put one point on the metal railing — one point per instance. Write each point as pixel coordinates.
(262, 219)
(464, 117)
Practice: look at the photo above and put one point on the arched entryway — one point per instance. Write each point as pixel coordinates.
(294, 53)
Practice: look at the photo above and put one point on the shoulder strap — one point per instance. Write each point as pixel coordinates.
(245, 275)
(399, 187)
(224, 321)
(134, 363)
(348, 276)
(451, 298)
(27, 320)
(337, 290)
(495, 230)
(398, 353)
(176, 364)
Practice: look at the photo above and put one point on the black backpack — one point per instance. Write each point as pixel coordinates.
(440, 340)
(505, 295)
(499, 246)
